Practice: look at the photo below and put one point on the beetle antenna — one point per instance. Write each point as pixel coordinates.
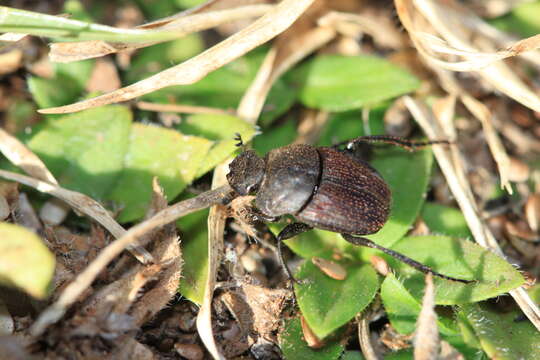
(238, 137)
(406, 144)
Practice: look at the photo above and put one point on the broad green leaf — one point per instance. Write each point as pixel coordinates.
(403, 309)
(461, 259)
(400, 355)
(155, 151)
(53, 92)
(328, 304)
(221, 129)
(194, 242)
(25, 261)
(407, 174)
(294, 347)
(341, 83)
(343, 126)
(78, 72)
(153, 59)
(445, 220)
(186, 4)
(275, 137)
(85, 150)
(500, 335)
(352, 355)
(66, 85)
(225, 87)
(524, 19)
(39, 24)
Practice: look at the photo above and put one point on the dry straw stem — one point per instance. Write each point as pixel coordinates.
(181, 25)
(187, 109)
(486, 118)
(82, 204)
(70, 294)
(282, 56)
(19, 155)
(426, 338)
(381, 28)
(262, 30)
(448, 21)
(365, 340)
(216, 227)
(452, 169)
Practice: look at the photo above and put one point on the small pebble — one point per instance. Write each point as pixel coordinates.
(189, 351)
(330, 268)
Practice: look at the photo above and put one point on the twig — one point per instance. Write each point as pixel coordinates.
(70, 294)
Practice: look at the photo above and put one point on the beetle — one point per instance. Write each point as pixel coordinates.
(327, 188)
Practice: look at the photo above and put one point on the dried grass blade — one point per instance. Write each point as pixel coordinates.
(216, 226)
(20, 156)
(182, 26)
(282, 57)
(70, 294)
(84, 205)
(426, 337)
(462, 194)
(259, 32)
(454, 31)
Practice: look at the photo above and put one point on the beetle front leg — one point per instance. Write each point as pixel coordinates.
(407, 260)
(288, 232)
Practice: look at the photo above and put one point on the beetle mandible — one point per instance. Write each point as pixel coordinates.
(322, 187)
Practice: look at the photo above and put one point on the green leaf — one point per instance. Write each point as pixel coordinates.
(403, 308)
(500, 335)
(400, 355)
(461, 259)
(155, 151)
(328, 304)
(348, 125)
(78, 72)
(225, 87)
(194, 244)
(39, 24)
(65, 87)
(220, 128)
(445, 220)
(524, 19)
(408, 175)
(278, 136)
(53, 92)
(153, 59)
(25, 262)
(352, 355)
(294, 346)
(341, 83)
(85, 151)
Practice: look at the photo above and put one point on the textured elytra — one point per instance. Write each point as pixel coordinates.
(351, 197)
(291, 175)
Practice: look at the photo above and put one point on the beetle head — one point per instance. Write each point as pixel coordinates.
(246, 172)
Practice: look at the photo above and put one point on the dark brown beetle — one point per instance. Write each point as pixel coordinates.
(322, 187)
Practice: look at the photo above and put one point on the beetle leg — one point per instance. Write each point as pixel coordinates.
(406, 144)
(288, 232)
(415, 264)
